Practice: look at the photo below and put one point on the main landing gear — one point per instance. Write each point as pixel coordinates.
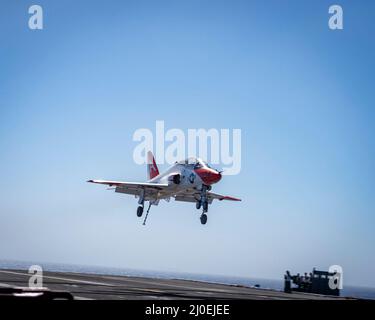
(140, 212)
(141, 203)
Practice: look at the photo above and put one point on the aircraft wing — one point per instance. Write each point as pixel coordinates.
(221, 197)
(151, 190)
(194, 197)
(131, 185)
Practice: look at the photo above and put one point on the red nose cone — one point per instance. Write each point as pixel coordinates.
(208, 176)
(217, 177)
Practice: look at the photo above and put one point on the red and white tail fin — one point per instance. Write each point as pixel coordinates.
(152, 168)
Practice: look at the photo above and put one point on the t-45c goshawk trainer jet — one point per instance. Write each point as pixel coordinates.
(189, 180)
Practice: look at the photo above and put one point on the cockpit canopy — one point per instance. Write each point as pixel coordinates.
(194, 162)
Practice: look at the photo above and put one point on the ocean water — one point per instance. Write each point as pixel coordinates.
(348, 291)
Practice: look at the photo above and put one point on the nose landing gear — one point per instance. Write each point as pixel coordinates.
(205, 206)
(203, 218)
(198, 205)
(203, 202)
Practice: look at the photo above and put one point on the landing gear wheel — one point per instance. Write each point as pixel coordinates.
(198, 205)
(203, 218)
(139, 211)
(205, 206)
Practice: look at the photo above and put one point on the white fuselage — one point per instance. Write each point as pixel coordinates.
(188, 180)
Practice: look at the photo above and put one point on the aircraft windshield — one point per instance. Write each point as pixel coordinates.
(192, 161)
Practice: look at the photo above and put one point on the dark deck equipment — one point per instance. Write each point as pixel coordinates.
(316, 282)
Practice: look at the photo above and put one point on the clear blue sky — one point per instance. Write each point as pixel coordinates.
(72, 95)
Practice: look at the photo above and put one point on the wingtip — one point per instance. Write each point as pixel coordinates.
(230, 198)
